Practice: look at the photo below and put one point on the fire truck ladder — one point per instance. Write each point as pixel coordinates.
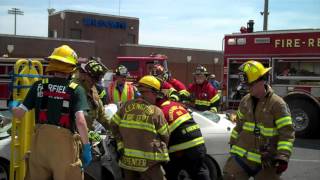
(26, 72)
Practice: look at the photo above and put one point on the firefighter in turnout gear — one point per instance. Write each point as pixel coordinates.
(90, 74)
(203, 95)
(142, 135)
(98, 74)
(166, 88)
(186, 145)
(59, 110)
(179, 86)
(121, 91)
(262, 141)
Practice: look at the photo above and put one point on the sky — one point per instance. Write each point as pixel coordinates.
(197, 24)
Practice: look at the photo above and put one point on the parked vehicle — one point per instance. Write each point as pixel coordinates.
(5, 140)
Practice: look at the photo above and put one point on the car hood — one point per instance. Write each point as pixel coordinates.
(213, 123)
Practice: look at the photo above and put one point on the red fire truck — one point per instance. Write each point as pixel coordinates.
(294, 56)
(139, 66)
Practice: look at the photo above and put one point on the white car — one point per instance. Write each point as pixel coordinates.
(5, 140)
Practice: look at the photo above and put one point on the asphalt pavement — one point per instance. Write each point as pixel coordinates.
(305, 161)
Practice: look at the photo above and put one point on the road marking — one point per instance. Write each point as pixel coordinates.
(304, 160)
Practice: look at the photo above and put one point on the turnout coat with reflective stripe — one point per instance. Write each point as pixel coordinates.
(205, 96)
(273, 120)
(142, 134)
(179, 86)
(185, 132)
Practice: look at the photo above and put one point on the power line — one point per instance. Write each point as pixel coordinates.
(16, 12)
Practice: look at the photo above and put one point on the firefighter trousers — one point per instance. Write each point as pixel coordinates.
(191, 160)
(54, 155)
(233, 171)
(154, 172)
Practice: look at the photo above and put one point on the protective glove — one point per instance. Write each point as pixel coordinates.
(86, 155)
(281, 166)
(94, 136)
(13, 104)
(213, 110)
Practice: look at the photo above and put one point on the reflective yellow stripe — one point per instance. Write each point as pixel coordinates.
(184, 92)
(174, 97)
(171, 90)
(102, 94)
(45, 81)
(249, 126)
(239, 114)
(116, 119)
(164, 129)
(165, 103)
(133, 168)
(154, 156)
(255, 157)
(176, 123)
(186, 145)
(269, 131)
(202, 102)
(139, 125)
(215, 98)
(284, 121)
(214, 109)
(238, 150)
(73, 85)
(234, 134)
(190, 129)
(285, 145)
(119, 145)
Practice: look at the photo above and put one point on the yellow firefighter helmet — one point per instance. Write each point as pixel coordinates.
(253, 71)
(64, 54)
(150, 82)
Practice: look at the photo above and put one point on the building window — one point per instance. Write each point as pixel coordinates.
(53, 33)
(131, 39)
(75, 33)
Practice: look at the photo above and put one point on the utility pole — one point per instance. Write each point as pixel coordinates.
(265, 14)
(16, 12)
(119, 7)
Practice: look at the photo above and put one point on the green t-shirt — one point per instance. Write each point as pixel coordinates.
(77, 102)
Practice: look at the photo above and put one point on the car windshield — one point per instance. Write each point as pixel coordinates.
(210, 115)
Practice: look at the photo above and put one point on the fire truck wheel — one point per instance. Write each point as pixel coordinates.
(305, 117)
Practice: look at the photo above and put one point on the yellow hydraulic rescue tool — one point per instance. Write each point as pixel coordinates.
(26, 72)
